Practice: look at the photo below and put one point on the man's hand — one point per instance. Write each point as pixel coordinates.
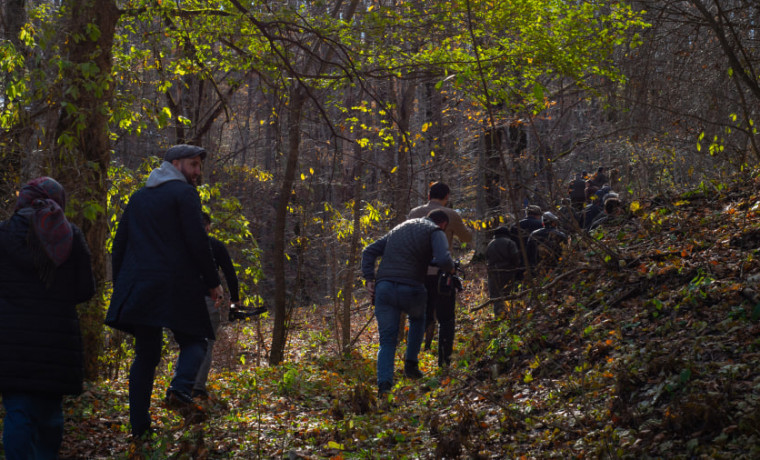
(217, 294)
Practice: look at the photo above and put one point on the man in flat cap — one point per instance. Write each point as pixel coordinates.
(163, 268)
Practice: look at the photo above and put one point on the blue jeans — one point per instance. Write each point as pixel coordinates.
(33, 426)
(391, 299)
(148, 344)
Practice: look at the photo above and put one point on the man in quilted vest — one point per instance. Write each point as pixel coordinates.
(399, 286)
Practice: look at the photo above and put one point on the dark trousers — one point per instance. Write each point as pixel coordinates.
(441, 308)
(148, 345)
(33, 426)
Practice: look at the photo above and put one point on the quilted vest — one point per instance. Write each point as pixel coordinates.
(408, 251)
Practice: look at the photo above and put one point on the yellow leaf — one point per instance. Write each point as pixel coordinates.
(425, 127)
(635, 206)
(303, 176)
(311, 171)
(394, 169)
(334, 445)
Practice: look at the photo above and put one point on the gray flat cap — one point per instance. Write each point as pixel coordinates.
(180, 151)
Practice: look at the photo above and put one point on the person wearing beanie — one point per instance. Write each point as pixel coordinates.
(613, 210)
(45, 271)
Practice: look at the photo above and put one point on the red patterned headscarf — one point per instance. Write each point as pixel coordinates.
(43, 200)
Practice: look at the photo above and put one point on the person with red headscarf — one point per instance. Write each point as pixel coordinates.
(45, 271)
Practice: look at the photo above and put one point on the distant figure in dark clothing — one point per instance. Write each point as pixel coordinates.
(545, 244)
(162, 269)
(45, 272)
(577, 191)
(597, 181)
(613, 209)
(503, 260)
(593, 209)
(223, 262)
(532, 220)
(525, 227)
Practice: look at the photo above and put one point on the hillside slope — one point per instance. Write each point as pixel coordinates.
(644, 342)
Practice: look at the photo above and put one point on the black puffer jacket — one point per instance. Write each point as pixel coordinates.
(40, 340)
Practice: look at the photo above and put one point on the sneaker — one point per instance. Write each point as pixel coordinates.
(183, 403)
(411, 370)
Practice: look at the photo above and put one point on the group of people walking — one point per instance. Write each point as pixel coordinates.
(416, 254)
(165, 272)
(536, 242)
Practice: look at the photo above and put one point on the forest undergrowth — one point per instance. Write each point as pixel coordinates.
(642, 343)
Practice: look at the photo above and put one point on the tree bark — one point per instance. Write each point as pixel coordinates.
(279, 333)
(83, 154)
(348, 286)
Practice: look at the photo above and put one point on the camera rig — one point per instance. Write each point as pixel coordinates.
(451, 283)
(241, 313)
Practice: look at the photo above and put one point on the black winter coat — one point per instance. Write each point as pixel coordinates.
(224, 261)
(504, 264)
(162, 262)
(40, 340)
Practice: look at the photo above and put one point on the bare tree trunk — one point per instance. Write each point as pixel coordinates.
(13, 18)
(279, 334)
(298, 96)
(404, 94)
(81, 163)
(348, 286)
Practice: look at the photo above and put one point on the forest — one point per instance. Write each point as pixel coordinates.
(325, 122)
